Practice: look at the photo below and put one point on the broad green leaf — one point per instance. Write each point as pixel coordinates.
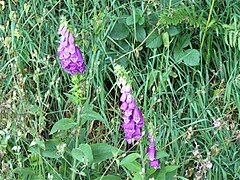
(83, 153)
(165, 38)
(75, 100)
(63, 124)
(78, 154)
(138, 18)
(161, 154)
(172, 31)
(103, 151)
(125, 47)
(120, 31)
(87, 151)
(161, 175)
(89, 115)
(137, 176)
(154, 40)
(133, 166)
(140, 33)
(25, 171)
(109, 177)
(178, 55)
(184, 41)
(130, 20)
(50, 150)
(192, 57)
(141, 20)
(130, 158)
(171, 171)
(170, 175)
(170, 168)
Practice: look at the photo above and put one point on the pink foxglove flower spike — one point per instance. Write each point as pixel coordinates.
(69, 53)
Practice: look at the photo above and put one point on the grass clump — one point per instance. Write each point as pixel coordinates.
(182, 58)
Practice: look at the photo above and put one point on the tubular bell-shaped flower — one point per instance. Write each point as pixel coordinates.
(132, 116)
(133, 119)
(152, 152)
(69, 53)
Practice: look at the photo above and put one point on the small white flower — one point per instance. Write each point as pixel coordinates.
(16, 148)
(195, 152)
(209, 165)
(217, 123)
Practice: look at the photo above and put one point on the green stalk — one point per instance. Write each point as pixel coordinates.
(76, 142)
(142, 159)
(208, 22)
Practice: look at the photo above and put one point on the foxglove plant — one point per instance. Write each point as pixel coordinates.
(152, 152)
(72, 62)
(132, 116)
(133, 119)
(69, 53)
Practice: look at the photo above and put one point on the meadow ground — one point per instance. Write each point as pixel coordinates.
(181, 58)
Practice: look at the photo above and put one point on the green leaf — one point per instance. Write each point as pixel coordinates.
(63, 124)
(77, 154)
(165, 38)
(192, 57)
(154, 40)
(89, 115)
(130, 158)
(161, 154)
(184, 41)
(87, 151)
(172, 31)
(25, 171)
(141, 20)
(120, 31)
(83, 153)
(178, 55)
(170, 168)
(133, 166)
(140, 33)
(102, 152)
(75, 100)
(130, 20)
(50, 150)
(109, 177)
(137, 176)
(171, 171)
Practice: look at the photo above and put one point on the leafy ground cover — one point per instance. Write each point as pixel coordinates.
(182, 59)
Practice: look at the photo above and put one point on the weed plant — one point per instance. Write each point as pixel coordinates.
(182, 58)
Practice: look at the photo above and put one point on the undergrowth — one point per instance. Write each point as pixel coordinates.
(182, 58)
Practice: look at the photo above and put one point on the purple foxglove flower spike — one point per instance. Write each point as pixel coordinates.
(132, 122)
(69, 53)
(152, 153)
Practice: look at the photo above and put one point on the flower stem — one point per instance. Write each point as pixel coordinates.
(76, 142)
(142, 159)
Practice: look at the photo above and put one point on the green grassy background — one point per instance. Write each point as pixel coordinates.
(180, 101)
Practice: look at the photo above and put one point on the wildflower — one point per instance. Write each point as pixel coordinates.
(195, 152)
(69, 53)
(154, 164)
(209, 165)
(133, 119)
(217, 123)
(152, 153)
(196, 175)
(16, 148)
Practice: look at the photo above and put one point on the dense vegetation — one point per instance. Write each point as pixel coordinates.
(182, 58)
